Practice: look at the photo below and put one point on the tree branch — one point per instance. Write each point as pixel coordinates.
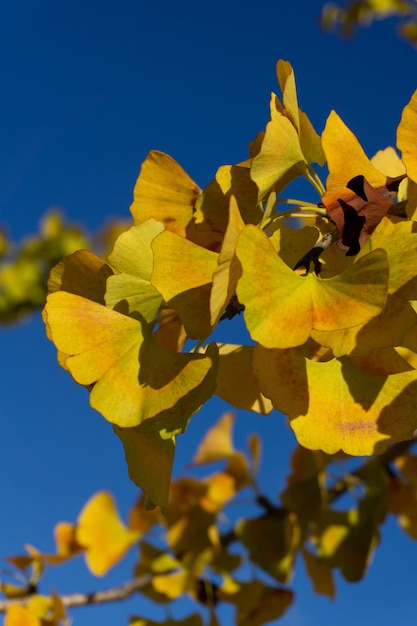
(116, 594)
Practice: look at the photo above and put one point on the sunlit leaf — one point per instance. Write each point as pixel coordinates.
(165, 192)
(134, 377)
(130, 289)
(280, 158)
(335, 406)
(399, 240)
(382, 331)
(406, 136)
(103, 535)
(310, 141)
(282, 308)
(183, 274)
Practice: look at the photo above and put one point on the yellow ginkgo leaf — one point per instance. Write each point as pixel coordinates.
(346, 159)
(310, 141)
(280, 159)
(183, 273)
(217, 443)
(388, 162)
(406, 136)
(399, 240)
(129, 290)
(17, 615)
(133, 377)
(382, 331)
(228, 271)
(101, 532)
(165, 192)
(282, 308)
(335, 406)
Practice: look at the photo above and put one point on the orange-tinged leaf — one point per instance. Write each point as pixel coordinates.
(102, 534)
(149, 460)
(406, 136)
(228, 271)
(221, 488)
(183, 273)
(334, 405)
(282, 308)
(165, 192)
(237, 382)
(135, 378)
(129, 290)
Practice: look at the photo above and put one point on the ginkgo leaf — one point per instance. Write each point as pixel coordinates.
(358, 195)
(280, 158)
(406, 136)
(129, 290)
(357, 218)
(257, 603)
(237, 382)
(282, 308)
(310, 141)
(212, 206)
(272, 543)
(346, 159)
(165, 192)
(149, 460)
(335, 406)
(217, 443)
(388, 162)
(382, 331)
(134, 378)
(399, 240)
(82, 273)
(101, 532)
(320, 574)
(183, 273)
(228, 271)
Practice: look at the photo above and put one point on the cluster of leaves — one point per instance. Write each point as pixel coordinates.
(203, 550)
(135, 330)
(25, 267)
(364, 12)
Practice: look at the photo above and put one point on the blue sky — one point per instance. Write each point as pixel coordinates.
(88, 89)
